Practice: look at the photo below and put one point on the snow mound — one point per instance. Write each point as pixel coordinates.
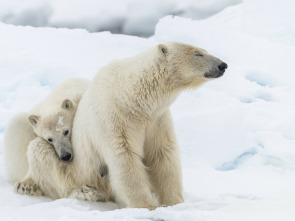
(135, 17)
(236, 134)
(271, 19)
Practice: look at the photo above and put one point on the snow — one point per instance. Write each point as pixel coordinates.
(60, 123)
(236, 134)
(60, 120)
(135, 17)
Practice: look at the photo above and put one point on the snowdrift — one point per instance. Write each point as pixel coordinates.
(236, 134)
(133, 17)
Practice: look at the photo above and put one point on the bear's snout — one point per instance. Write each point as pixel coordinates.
(217, 71)
(66, 156)
(222, 67)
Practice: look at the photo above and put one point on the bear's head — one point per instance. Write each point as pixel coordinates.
(56, 128)
(189, 66)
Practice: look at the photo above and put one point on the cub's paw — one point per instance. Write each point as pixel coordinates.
(28, 187)
(88, 193)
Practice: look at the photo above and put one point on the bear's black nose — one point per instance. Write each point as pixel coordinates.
(222, 67)
(66, 157)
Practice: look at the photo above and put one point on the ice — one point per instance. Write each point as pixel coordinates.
(233, 164)
(236, 134)
(135, 17)
(60, 120)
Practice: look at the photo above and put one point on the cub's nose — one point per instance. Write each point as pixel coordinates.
(66, 156)
(222, 67)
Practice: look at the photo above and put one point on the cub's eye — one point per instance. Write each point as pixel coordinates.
(199, 54)
(66, 132)
(50, 140)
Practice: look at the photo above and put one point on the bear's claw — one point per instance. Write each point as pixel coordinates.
(27, 187)
(88, 193)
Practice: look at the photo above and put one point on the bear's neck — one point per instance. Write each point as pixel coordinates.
(150, 95)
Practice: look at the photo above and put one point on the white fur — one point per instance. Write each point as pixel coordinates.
(19, 131)
(123, 121)
(50, 176)
(18, 135)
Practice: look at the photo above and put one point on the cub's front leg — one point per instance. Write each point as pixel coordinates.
(28, 187)
(163, 161)
(42, 162)
(54, 177)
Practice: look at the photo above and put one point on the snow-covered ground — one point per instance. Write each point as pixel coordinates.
(133, 17)
(236, 134)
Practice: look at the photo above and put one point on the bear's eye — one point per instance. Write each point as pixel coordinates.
(66, 132)
(199, 54)
(50, 140)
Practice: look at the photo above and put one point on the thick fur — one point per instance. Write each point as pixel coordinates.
(50, 176)
(18, 135)
(123, 121)
(53, 118)
(62, 102)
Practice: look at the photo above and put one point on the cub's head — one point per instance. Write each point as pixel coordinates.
(56, 128)
(189, 66)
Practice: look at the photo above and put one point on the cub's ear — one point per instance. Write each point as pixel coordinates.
(163, 49)
(34, 119)
(67, 104)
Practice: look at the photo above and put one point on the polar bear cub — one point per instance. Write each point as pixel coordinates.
(38, 144)
(51, 120)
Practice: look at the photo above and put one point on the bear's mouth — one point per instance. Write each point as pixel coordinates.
(213, 74)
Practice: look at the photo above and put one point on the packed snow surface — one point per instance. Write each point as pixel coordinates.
(236, 134)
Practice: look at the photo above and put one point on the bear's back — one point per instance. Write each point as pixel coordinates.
(71, 89)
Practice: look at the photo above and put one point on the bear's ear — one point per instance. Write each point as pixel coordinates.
(67, 104)
(33, 119)
(163, 49)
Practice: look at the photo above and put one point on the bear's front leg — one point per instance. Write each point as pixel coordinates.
(89, 193)
(28, 187)
(128, 177)
(44, 166)
(163, 161)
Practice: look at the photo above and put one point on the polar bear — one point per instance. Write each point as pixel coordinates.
(41, 143)
(123, 122)
(123, 136)
(52, 177)
(51, 120)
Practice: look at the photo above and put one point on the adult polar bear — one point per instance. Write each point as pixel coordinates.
(123, 121)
